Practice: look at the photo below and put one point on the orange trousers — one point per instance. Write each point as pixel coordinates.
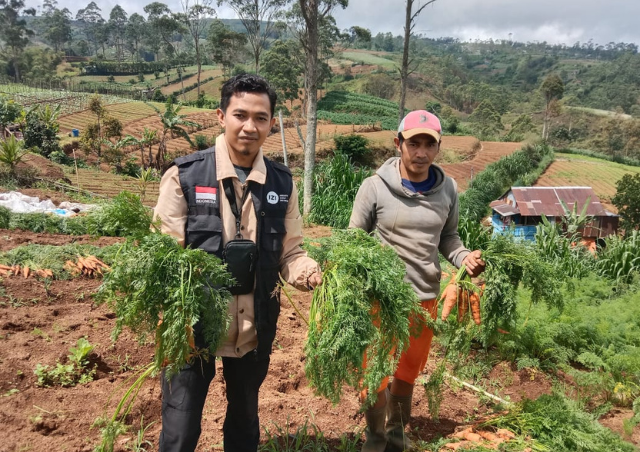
(414, 358)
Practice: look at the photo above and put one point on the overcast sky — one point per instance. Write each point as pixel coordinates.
(554, 21)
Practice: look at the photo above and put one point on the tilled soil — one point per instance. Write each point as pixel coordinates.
(39, 323)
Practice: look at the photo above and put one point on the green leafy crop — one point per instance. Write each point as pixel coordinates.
(363, 283)
(158, 287)
(75, 371)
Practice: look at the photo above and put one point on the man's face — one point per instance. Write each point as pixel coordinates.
(247, 123)
(416, 156)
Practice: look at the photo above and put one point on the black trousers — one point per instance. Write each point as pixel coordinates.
(183, 398)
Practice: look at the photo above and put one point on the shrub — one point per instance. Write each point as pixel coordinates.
(141, 77)
(354, 146)
(201, 142)
(41, 130)
(61, 158)
(158, 96)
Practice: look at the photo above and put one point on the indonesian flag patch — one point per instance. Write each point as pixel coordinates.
(206, 195)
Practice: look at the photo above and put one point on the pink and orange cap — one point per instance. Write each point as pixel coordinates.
(420, 122)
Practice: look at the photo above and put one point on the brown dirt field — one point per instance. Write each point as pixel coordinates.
(39, 327)
(190, 80)
(489, 153)
(43, 167)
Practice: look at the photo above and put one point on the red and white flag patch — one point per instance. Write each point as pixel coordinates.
(206, 195)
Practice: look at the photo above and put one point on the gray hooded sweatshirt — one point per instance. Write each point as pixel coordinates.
(416, 225)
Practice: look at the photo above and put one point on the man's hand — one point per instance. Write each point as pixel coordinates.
(474, 263)
(314, 280)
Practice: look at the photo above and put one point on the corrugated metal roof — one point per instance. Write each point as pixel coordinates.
(538, 201)
(504, 209)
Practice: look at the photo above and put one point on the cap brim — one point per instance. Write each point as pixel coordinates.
(413, 132)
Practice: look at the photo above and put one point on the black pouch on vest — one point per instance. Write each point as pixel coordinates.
(241, 257)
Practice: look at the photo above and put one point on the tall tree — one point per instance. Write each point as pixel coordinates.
(282, 66)
(14, 34)
(195, 16)
(58, 28)
(163, 26)
(627, 201)
(360, 37)
(405, 71)
(134, 34)
(552, 89)
(117, 26)
(225, 46)
(93, 23)
(259, 17)
(313, 13)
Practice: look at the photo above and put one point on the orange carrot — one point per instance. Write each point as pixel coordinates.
(190, 338)
(463, 303)
(450, 297)
(4, 267)
(473, 437)
(25, 271)
(474, 301)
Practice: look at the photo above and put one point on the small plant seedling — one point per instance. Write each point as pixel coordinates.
(39, 333)
(10, 392)
(76, 370)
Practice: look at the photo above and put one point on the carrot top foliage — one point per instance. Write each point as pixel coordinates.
(363, 283)
(156, 279)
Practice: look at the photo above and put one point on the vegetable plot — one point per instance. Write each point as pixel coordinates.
(158, 288)
(363, 305)
(508, 264)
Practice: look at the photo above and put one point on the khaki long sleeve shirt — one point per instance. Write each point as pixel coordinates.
(296, 266)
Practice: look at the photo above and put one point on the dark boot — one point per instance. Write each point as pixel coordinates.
(398, 415)
(376, 440)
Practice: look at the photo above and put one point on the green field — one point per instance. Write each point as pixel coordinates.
(368, 58)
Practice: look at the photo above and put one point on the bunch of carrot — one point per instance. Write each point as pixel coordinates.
(461, 292)
(25, 271)
(87, 266)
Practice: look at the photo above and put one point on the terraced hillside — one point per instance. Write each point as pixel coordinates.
(601, 175)
(490, 152)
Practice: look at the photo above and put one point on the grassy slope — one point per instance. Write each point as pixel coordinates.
(601, 175)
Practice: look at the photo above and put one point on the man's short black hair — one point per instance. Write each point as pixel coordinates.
(247, 83)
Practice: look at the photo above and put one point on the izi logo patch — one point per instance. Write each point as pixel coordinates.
(272, 197)
(206, 195)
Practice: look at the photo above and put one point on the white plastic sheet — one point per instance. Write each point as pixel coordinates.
(19, 203)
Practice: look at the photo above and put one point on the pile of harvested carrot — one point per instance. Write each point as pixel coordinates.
(473, 439)
(25, 272)
(88, 266)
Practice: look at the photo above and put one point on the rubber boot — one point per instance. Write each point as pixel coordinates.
(376, 440)
(398, 415)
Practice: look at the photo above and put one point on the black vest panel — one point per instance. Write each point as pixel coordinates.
(203, 228)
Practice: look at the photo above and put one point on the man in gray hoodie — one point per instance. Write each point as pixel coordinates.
(413, 206)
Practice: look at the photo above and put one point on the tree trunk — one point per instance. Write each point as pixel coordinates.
(311, 82)
(199, 61)
(545, 122)
(404, 70)
(16, 68)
